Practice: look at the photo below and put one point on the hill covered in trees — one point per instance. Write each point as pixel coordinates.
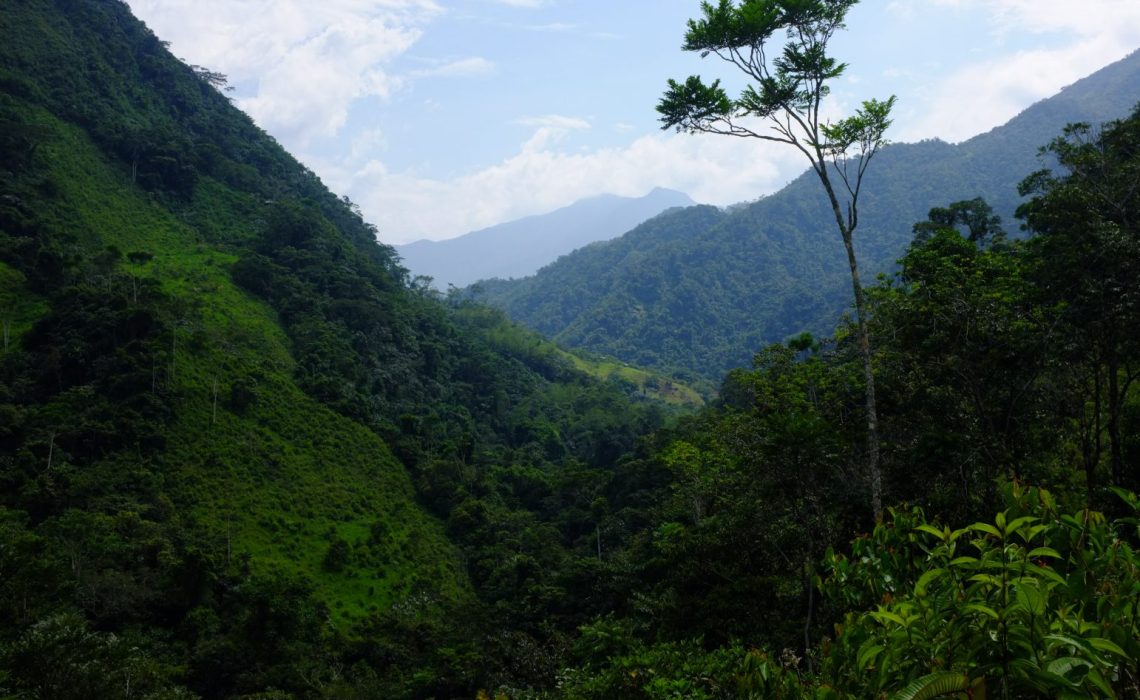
(697, 292)
(238, 444)
(244, 455)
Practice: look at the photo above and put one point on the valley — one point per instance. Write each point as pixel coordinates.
(248, 451)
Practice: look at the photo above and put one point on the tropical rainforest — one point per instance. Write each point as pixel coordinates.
(245, 454)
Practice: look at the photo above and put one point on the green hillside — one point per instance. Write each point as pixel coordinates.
(244, 455)
(277, 474)
(236, 437)
(697, 292)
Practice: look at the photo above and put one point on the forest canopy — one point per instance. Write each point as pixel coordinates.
(245, 454)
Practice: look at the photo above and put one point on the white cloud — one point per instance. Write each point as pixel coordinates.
(540, 178)
(301, 65)
(366, 144)
(556, 27)
(549, 130)
(553, 121)
(1089, 18)
(982, 94)
(309, 60)
(458, 68)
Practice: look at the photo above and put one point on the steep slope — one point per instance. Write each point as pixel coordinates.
(219, 368)
(697, 294)
(239, 449)
(154, 430)
(519, 248)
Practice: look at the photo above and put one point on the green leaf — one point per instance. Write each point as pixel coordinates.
(1071, 668)
(986, 528)
(1016, 524)
(868, 655)
(926, 579)
(1072, 522)
(1075, 642)
(986, 578)
(1039, 678)
(934, 685)
(1031, 599)
(692, 105)
(1132, 499)
(1046, 572)
(886, 615)
(1097, 679)
(1102, 644)
(1044, 552)
(930, 529)
(979, 608)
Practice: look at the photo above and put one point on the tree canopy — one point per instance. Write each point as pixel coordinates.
(786, 93)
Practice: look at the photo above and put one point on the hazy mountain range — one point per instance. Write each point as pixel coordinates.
(519, 248)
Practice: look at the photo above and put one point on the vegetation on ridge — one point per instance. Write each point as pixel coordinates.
(694, 295)
(244, 455)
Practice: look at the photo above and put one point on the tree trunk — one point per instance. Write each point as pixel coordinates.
(1091, 447)
(847, 232)
(1114, 401)
(873, 472)
(51, 452)
(809, 586)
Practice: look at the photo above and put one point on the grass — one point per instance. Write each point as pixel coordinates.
(651, 384)
(19, 307)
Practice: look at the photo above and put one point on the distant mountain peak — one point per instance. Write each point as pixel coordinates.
(521, 247)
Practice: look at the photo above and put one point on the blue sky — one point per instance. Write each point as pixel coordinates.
(440, 117)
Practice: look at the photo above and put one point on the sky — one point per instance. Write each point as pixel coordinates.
(440, 117)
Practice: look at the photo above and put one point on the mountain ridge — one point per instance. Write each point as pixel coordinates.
(775, 267)
(238, 443)
(521, 247)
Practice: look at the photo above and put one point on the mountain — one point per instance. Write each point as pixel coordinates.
(244, 454)
(240, 449)
(698, 291)
(519, 248)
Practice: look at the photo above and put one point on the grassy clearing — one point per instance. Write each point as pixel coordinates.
(650, 384)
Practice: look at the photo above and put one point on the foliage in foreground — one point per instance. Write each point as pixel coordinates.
(227, 419)
(1036, 603)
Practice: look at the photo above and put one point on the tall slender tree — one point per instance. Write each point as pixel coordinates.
(783, 103)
